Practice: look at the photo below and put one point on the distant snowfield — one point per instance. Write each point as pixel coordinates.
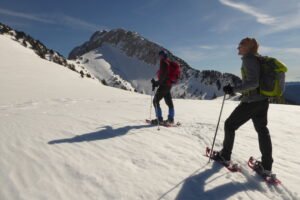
(64, 137)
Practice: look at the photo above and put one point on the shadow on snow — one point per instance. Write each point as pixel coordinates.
(106, 133)
(193, 187)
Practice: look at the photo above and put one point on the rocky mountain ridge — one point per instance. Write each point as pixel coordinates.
(193, 83)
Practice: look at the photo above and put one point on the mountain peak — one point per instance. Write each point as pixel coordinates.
(131, 58)
(133, 44)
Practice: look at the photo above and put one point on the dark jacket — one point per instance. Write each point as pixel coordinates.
(163, 73)
(250, 79)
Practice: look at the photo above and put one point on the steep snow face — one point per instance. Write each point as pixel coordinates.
(23, 75)
(110, 65)
(41, 50)
(66, 138)
(134, 61)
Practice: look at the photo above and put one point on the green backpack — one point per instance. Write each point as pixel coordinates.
(272, 76)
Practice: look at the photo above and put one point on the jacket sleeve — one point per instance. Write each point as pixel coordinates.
(164, 73)
(251, 75)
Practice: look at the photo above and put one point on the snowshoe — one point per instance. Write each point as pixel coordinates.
(216, 156)
(267, 175)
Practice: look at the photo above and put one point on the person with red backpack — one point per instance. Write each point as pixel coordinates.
(167, 74)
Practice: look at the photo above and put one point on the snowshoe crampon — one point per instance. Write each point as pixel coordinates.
(269, 178)
(233, 167)
(163, 123)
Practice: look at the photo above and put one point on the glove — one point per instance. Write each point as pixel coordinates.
(154, 84)
(228, 89)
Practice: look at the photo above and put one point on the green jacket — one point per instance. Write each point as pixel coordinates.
(250, 79)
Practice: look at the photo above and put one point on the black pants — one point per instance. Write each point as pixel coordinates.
(163, 92)
(257, 111)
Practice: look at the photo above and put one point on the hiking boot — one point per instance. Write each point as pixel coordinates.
(155, 122)
(217, 156)
(169, 121)
(258, 167)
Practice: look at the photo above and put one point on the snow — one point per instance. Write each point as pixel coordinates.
(108, 61)
(64, 137)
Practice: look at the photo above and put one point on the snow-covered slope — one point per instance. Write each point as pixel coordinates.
(124, 59)
(116, 68)
(42, 51)
(64, 137)
(292, 93)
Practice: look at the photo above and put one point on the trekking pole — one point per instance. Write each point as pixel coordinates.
(151, 105)
(152, 93)
(157, 118)
(212, 147)
(155, 107)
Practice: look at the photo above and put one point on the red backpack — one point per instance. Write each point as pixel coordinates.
(174, 71)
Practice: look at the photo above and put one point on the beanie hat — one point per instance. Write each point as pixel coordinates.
(163, 53)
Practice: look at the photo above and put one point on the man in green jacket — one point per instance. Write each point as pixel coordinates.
(253, 106)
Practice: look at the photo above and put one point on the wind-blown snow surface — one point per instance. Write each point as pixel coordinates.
(64, 137)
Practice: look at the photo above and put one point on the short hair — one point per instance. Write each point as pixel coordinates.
(251, 43)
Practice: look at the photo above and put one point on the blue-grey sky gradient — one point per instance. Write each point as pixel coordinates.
(204, 33)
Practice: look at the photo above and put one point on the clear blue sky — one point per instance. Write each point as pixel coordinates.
(205, 33)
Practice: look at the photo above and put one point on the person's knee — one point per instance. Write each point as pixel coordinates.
(262, 130)
(229, 125)
(155, 102)
(169, 103)
(171, 106)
